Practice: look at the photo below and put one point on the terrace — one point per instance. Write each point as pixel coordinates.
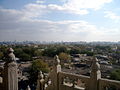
(57, 79)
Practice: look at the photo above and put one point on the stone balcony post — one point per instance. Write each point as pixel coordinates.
(28, 88)
(95, 75)
(57, 66)
(40, 82)
(54, 74)
(10, 78)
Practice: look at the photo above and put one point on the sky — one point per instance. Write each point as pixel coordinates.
(60, 20)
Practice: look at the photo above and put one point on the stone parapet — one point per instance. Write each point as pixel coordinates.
(58, 80)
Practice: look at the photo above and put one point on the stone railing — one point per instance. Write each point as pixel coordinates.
(106, 84)
(1, 78)
(72, 81)
(58, 80)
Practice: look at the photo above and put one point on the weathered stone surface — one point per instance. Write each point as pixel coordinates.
(95, 75)
(10, 78)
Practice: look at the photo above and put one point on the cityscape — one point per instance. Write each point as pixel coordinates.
(74, 57)
(59, 45)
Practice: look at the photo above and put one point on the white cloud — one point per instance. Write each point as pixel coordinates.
(40, 1)
(112, 16)
(85, 4)
(34, 10)
(80, 7)
(14, 27)
(67, 10)
(37, 10)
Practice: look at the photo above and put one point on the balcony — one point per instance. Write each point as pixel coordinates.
(58, 80)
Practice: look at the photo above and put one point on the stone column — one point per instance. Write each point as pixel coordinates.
(10, 78)
(40, 82)
(54, 74)
(28, 88)
(95, 75)
(56, 70)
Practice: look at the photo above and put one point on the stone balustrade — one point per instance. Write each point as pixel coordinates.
(106, 84)
(73, 81)
(58, 80)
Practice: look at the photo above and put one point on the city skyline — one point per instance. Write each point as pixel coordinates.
(60, 20)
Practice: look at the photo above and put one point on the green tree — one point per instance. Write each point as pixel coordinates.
(29, 50)
(50, 52)
(38, 52)
(37, 65)
(25, 57)
(74, 51)
(64, 57)
(61, 49)
(89, 53)
(18, 52)
(1, 55)
(115, 75)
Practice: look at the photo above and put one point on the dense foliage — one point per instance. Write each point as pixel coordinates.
(64, 56)
(115, 75)
(37, 66)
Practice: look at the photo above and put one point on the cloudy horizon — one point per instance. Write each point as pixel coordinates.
(60, 20)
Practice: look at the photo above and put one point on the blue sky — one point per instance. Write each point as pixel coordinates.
(60, 20)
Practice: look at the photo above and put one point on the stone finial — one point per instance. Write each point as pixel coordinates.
(95, 69)
(10, 78)
(57, 60)
(40, 81)
(95, 75)
(10, 56)
(40, 75)
(10, 50)
(28, 88)
(95, 65)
